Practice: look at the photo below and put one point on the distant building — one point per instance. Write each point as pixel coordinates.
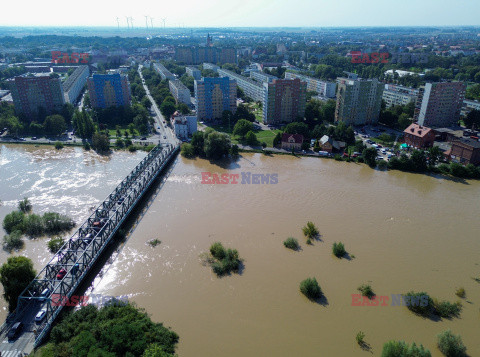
(213, 96)
(398, 95)
(193, 72)
(197, 55)
(358, 101)
(262, 77)
(284, 101)
(323, 88)
(179, 91)
(469, 105)
(440, 103)
(330, 145)
(163, 72)
(75, 83)
(32, 92)
(292, 141)
(465, 151)
(184, 126)
(107, 90)
(250, 87)
(419, 136)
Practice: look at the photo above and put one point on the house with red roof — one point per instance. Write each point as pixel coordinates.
(419, 136)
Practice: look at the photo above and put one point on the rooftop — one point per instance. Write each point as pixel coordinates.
(417, 130)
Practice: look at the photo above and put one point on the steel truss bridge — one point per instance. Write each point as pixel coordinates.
(69, 266)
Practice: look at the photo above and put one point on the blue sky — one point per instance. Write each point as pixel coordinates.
(239, 13)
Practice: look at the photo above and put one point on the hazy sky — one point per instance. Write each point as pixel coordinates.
(238, 13)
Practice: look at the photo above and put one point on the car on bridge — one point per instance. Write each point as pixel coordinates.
(15, 331)
(40, 315)
(61, 274)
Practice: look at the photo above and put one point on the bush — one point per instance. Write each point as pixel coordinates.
(310, 231)
(382, 165)
(450, 345)
(217, 250)
(310, 288)
(188, 151)
(338, 249)
(360, 338)
(291, 243)
(24, 205)
(422, 303)
(402, 349)
(86, 146)
(13, 221)
(444, 169)
(458, 170)
(460, 292)
(227, 260)
(338, 157)
(447, 309)
(33, 225)
(13, 241)
(366, 290)
(55, 244)
(56, 223)
(58, 145)
(119, 143)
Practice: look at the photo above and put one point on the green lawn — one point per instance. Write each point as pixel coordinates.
(112, 133)
(266, 136)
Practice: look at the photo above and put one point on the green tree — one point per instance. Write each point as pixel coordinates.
(402, 349)
(15, 275)
(251, 138)
(167, 108)
(155, 350)
(451, 345)
(434, 154)
(242, 127)
(298, 128)
(370, 156)
(472, 120)
(188, 150)
(216, 145)
(100, 142)
(54, 125)
(277, 140)
(24, 205)
(13, 221)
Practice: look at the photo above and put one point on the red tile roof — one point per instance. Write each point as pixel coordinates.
(417, 130)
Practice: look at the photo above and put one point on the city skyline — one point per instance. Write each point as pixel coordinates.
(246, 13)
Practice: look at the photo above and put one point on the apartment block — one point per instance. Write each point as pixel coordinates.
(284, 101)
(107, 90)
(439, 104)
(163, 72)
(323, 88)
(193, 72)
(179, 91)
(213, 96)
(358, 101)
(74, 84)
(399, 95)
(32, 92)
(250, 87)
(262, 77)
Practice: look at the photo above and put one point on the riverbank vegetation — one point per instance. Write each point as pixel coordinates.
(15, 275)
(208, 144)
(113, 330)
(223, 261)
(291, 243)
(55, 244)
(310, 288)
(154, 242)
(402, 349)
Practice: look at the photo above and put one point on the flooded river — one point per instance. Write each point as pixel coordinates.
(405, 231)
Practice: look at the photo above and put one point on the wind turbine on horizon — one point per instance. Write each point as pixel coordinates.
(128, 26)
(131, 21)
(146, 21)
(151, 22)
(118, 23)
(164, 23)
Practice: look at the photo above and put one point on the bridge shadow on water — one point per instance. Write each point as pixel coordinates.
(122, 236)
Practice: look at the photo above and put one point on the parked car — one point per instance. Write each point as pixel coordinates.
(61, 274)
(15, 331)
(41, 315)
(34, 138)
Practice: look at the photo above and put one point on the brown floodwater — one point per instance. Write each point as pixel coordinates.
(405, 231)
